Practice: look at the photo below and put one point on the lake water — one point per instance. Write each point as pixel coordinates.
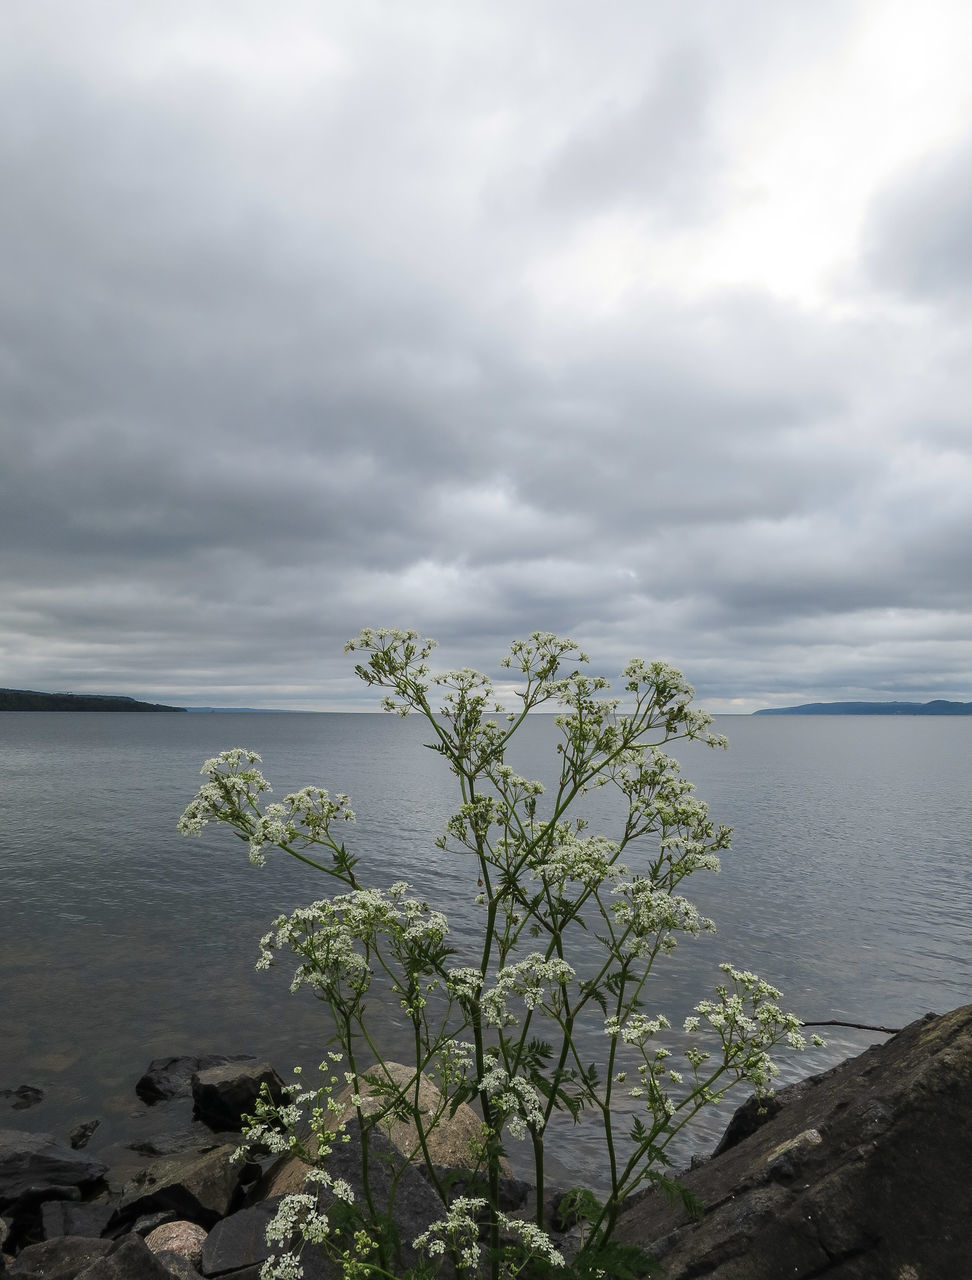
(849, 885)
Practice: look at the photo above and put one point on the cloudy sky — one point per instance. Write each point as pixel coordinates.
(641, 322)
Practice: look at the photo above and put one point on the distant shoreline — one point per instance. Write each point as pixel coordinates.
(937, 708)
(32, 700)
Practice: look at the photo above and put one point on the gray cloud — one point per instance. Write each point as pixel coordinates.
(657, 155)
(918, 240)
(271, 367)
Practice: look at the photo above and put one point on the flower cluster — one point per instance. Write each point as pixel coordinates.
(458, 1233)
(538, 982)
(515, 1100)
(651, 917)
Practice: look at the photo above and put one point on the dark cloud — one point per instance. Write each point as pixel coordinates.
(274, 364)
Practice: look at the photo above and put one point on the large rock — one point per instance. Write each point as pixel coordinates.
(59, 1259)
(129, 1258)
(64, 1218)
(224, 1095)
(32, 1164)
(410, 1199)
(183, 1238)
(239, 1241)
(201, 1187)
(167, 1078)
(455, 1143)
(860, 1173)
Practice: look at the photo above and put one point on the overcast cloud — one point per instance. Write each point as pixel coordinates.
(642, 323)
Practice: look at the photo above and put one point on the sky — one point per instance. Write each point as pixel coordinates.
(648, 324)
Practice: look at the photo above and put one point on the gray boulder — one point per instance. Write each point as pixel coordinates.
(65, 1218)
(201, 1187)
(59, 1259)
(223, 1095)
(129, 1258)
(240, 1240)
(412, 1203)
(166, 1078)
(861, 1172)
(32, 1164)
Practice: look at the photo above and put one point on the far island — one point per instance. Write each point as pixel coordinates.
(30, 700)
(937, 708)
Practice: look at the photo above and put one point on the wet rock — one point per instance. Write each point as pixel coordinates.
(166, 1078)
(860, 1172)
(24, 1096)
(80, 1135)
(223, 1095)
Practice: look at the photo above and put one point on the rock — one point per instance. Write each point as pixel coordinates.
(413, 1203)
(199, 1187)
(180, 1268)
(239, 1240)
(860, 1172)
(59, 1259)
(129, 1258)
(146, 1224)
(166, 1078)
(80, 1135)
(24, 1096)
(223, 1095)
(35, 1167)
(30, 1163)
(181, 1237)
(62, 1218)
(453, 1144)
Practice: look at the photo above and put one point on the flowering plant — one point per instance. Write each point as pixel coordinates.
(500, 1030)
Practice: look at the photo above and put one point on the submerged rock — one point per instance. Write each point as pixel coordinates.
(861, 1172)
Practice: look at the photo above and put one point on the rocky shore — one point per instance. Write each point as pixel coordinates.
(863, 1172)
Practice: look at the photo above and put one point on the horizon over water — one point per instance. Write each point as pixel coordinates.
(849, 885)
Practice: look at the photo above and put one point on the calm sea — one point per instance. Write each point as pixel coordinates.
(849, 885)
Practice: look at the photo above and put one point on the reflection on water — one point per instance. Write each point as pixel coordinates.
(849, 885)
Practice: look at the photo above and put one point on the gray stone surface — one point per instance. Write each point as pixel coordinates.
(129, 1258)
(239, 1240)
(166, 1078)
(223, 1095)
(200, 1187)
(59, 1259)
(65, 1218)
(860, 1173)
(33, 1162)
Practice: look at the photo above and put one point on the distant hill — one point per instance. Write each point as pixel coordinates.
(30, 700)
(937, 708)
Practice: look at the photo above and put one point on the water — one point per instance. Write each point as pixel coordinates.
(849, 885)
